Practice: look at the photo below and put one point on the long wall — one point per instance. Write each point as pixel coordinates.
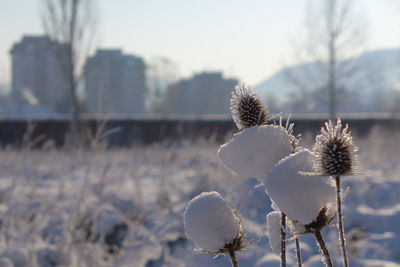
(147, 130)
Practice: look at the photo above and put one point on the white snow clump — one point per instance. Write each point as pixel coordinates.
(274, 231)
(300, 197)
(210, 222)
(254, 151)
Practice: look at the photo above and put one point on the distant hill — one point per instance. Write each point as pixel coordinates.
(278, 84)
(378, 73)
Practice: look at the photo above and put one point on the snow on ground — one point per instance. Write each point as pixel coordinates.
(124, 207)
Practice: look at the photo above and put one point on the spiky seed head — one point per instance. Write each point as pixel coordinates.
(247, 108)
(335, 152)
(324, 218)
(237, 244)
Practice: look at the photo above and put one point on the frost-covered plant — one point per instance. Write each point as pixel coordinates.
(255, 150)
(247, 108)
(335, 155)
(334, 150)
(300, 197)
(276, 236)
(272, 152)
(307, 201)
(257, 147)
(214, 226)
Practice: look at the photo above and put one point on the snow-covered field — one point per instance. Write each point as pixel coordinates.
(124, 207)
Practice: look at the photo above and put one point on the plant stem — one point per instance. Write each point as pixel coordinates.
(340, 222)
(298, 252)
(233, 258)
(324, 250)
(283, 240)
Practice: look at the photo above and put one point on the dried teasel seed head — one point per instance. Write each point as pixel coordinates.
(324, 218)
(247, 108)
(237, 244)
(334, 150)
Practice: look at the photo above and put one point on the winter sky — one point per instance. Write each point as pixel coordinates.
(249, 39)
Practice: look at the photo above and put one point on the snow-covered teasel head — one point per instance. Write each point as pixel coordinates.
(247, 108)
(254, 151)
(324, 218)
(300, 197)
(334, 151)
(213, 225)
(274, 231)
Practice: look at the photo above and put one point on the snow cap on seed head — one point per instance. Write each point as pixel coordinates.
(212, 224)
(274, 231)
(257, 147)
(300, 197)
(254, 151)
(334, 151)
(247, 108)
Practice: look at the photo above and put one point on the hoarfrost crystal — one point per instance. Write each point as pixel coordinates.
(335, 153)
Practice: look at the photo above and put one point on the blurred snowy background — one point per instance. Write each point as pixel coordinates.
(157, 71)
(123, 207)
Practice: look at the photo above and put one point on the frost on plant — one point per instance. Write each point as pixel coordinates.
(300, 197)
(254, 151)
(335, 155)
(247, 108)
(212, 224)
(274, 231)
(335, 152)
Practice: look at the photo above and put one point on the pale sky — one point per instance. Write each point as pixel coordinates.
(246, 39)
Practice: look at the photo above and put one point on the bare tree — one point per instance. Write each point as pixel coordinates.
(333, 34)
(395, 105)
(162, 72)
(72, 23)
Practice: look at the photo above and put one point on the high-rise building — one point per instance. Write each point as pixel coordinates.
(204, 93)
(37, 76)
(115, 83)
